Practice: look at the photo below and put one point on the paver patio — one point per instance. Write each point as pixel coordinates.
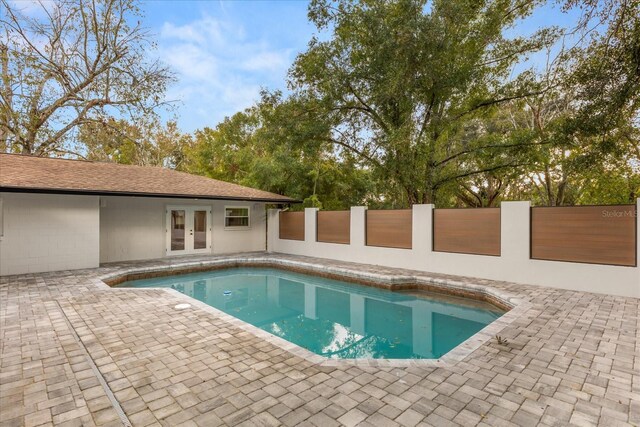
(573, 358)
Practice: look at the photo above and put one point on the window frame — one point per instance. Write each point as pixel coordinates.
(237, 227)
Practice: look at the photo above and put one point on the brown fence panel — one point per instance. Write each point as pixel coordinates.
(390, 229)
(589, 234)
(292, 225)
(334, 227)
(467, 231)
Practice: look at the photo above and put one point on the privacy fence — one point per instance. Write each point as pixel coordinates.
(334, 227)
(593, 234)
(467, 231)
(291, 225)
(593, 248)
(389, 229)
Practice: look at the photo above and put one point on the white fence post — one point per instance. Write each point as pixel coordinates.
(273, 229)
(421, 234)
(358, 227)
(515, 232)
(310, 225)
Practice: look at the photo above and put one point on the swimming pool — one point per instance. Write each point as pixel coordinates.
(332, 318)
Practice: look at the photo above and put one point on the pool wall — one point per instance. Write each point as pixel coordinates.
(513, 265)
(392, 283)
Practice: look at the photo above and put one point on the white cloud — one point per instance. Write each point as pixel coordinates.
(272, 61)
(32, 8)
(190, 62)
(220, 67)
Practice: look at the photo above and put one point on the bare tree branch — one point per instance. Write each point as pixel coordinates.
(79, 62)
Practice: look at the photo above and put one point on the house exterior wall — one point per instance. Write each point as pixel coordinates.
(134, 228)
(48, 232)
(514, 264)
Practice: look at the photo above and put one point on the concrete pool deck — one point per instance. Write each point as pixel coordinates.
(75, 352)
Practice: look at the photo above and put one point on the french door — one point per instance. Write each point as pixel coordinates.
(188, 230)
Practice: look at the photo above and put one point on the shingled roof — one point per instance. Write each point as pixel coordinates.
(19, 173)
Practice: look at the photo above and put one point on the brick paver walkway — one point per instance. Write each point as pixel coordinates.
(573, 359)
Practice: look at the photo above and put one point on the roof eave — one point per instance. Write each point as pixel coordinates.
(83, 192)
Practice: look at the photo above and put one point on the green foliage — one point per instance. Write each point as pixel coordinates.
(253, 148)
(609, 187)
(400, 102)
(312, 202)
(146, 143)
(397, 82)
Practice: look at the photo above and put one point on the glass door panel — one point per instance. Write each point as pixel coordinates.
(189, 230)
(199, 229)
(178, 230)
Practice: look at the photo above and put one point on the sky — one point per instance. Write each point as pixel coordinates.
(224, 52)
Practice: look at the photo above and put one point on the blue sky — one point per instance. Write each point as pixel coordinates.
(224, 51)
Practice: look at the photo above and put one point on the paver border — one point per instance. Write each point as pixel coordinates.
(514, 306)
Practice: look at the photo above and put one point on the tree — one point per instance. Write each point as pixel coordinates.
(145, 143)
(566, 162)
(397, 81)
(586, 124)
(73, 63)
(552, 159)
(257, 148)
(606, 75)
(613, 181)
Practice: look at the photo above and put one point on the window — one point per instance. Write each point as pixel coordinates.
(177, 230)
(177, 220)
(236, 217)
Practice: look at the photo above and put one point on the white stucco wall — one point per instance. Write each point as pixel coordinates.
(46, 232)
(134, 228)
(513, 265)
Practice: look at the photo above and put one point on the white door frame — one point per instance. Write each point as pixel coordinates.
(188, 230)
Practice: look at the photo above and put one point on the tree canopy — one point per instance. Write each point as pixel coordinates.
(398, 82)
(76, 63)
(392, 103)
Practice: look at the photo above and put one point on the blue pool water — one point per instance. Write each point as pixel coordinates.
(333, 318)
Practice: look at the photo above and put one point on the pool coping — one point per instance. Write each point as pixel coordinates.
(514, 306)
